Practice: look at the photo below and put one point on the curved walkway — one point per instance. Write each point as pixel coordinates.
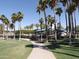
(40, 52)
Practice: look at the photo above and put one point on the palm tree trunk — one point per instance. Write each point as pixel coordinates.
(51, 28)
(14, 32)
(41, 33)
(46, 24)
(7, 32)
(19, 30)
(70, 30)
(72, 24)
(3, 31)
(69, 24)
(75, 25)
(59, 20)
(59, 23)
(66, 22)
(55, 32)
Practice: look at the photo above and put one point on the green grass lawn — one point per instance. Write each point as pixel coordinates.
(66, 52)
(14, 49)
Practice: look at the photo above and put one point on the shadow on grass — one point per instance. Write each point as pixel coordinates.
(30, 46)
(66, 54)
(58, 46)
(70, 48)
(53, 46)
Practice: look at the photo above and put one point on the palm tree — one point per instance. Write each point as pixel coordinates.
(58, 12)
(65, 4)
(2, 18)
(19, 19)
(77, 3)
(11, 26)
(1, 29)
(70, 10)
(42, 7)
(37, 26)
(52, 4)
(50, 21)
(41, 26)
(31, 27)
(6, 22)
(26, 27)
(14, 19)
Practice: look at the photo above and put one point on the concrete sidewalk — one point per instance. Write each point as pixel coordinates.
(39, 53)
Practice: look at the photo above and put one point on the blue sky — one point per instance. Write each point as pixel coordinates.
(28, 7)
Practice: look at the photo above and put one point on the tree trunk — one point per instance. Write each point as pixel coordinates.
(55, 32)
(19, 30)
(51, 28)
(14, 32)
(41, 33)
(46, 25)
(66, 22)
(69, 24)
(75, 26)
(72, 24)
(3, 31)
(7, 32)
(70, 29)
(59, 23)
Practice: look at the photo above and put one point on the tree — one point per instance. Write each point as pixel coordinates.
(41, 26)
(6, 22)
(65, 4)
(42, 5)
(37, 26)
(50, 20)
(14, 19)
(1, 28)
(58, 12)
(70, 10)
(31, 27)
(2, 18)
(76, 3)
(26, 27)
(19, 19)
(52, 4)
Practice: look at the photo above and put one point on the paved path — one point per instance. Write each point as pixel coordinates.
(40, 52)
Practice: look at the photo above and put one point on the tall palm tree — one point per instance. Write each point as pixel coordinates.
(42, 7)
(19, 19)
(51, 21)
(70, 10)
(41, 26)
(58, 12)
(14, 19)
(52, 4)
(65, 4)
(6, 22)
(75, 25)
